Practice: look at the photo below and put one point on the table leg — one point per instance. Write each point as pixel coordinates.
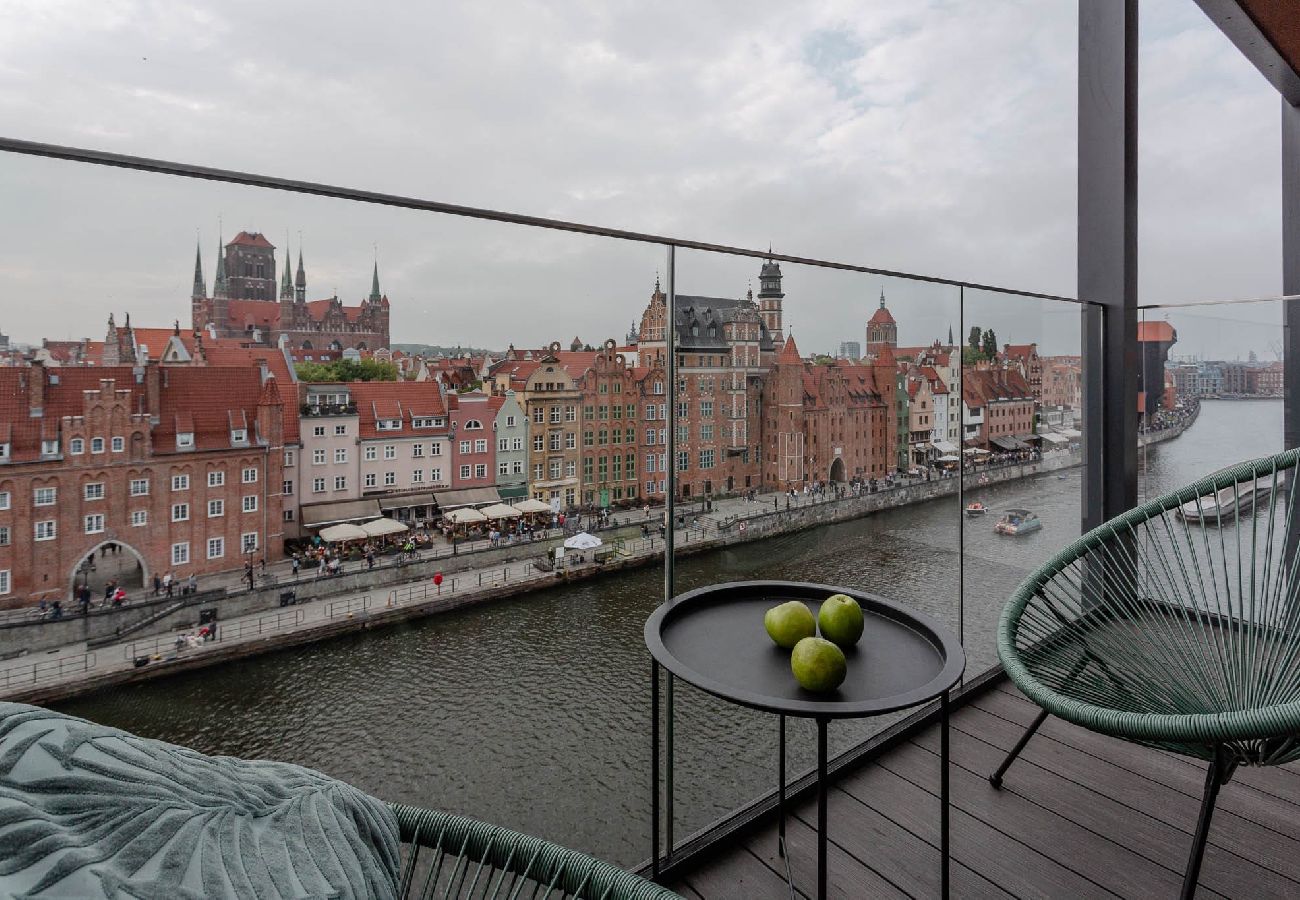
(654, 770)
(821, 808)
(945, 823)
(780, 795)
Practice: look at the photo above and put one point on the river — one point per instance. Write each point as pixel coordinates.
(533, 712)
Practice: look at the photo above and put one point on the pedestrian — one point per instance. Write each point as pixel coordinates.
(192, 584)
(167, 583)
(295, 564)
(370, 559)
(108, 589)
(157, 584)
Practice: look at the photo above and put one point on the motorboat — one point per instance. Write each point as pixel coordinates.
(1226, 504)
(976, 509)
(1018, 521)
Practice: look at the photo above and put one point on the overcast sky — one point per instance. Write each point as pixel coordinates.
(930, 137)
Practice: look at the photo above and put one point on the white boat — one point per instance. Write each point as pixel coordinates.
(1018, 521)
(1226, 504)
(976, 509)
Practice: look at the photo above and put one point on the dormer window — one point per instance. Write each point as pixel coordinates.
(239, 436)
(473, 425)
(50, 448)
(4, 452)
(184, 440)
(388, 424)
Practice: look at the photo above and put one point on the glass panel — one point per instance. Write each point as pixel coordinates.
(1022, 450)
(532, 711)
(830, 440)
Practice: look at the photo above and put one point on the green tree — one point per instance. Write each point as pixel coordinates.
(974, 340)
(989, 345)
(347, 370)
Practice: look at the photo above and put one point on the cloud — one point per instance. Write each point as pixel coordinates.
(924, 136)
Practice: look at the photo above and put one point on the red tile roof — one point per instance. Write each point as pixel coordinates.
(229, 353)
(318, 309)
(403, 400)
(259, 313)
(1156, 332)
(251, 239)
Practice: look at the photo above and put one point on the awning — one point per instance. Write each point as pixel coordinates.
(425, 499)
(467, 497)
(945, 447)
(336, 533)
(1053, 438)
(1006, 443)
(322, 514)
(1071, 433)
(381, 527)
(509, 493)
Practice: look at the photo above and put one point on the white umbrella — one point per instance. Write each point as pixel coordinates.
(582, 541)
(500, 511)
(532, 506)
(383, 526)
(465, 516)
(343, 532)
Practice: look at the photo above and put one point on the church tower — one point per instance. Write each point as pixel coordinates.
(882, 330)
(199, 295)
(300, 281)
(220, 306)
(769, 299)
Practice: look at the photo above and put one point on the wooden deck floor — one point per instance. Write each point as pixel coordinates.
(1080, 815)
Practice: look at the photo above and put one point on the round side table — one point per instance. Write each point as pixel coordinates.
(714, 639)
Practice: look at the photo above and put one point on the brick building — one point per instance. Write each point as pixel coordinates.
(826, 423)
(882, 330)
(244, 304)
(552, 398)
(1002, 401)
(179, 468)
(1025, 359)
(611, 436)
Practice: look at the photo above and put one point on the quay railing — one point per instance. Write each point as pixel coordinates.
(47, 670)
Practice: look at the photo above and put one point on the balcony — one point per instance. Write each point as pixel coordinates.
(327, 410)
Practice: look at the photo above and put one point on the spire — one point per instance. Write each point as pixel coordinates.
(286, 280)
(219, 288)
(882, 298)
(374, 285)
(200, 289)
(300, 280)
(950, 343)
(790, 353)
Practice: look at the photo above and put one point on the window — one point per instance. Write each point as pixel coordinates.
(503, 468)
(340, 484)
(706, 409)
(318, 457)
(237, 436)
(555, 441)
(388, 425)
(658, 387)
(435, 475)
(517, 467)
(464, 446)
(139, 517)
(288, 515)
(602, 437)
(516, 443)
(417, 451)
(180, 554)
(464, 473)
(250, 503)
(570, 413)
(426, 423)
(340, 454)
(390, 451)
(216, 548)
(390, 479)
(537, 472)
(287, 488)
(184, 441)
(554, 468)
(341, 430)
(46, 531)
(435, 449)
(43, 497)
(631, 410)
(180, 512)
(180, 482)
(570, 468)
(318, 485)
(503, 445)
(97, 444)
(371, 480)
(683, 460)
(587, 475)
(510, 421)
(288, 458)
(318, 431)
(250, 474)
(555, 415)
(417, 476)
(371, 453)
(216, 508)
(683, 433)
(616, 411)
(248, 542)
(480, 446)
(706, 432)
(94, 523)
(4, 535)
(649, 435)
(650, 463)
(50, 448)
(480, 470)
(76, 446)
(706, 459)
(539, 415)
(539, 442)
(602, 412)
(570, 440)
(216, 479)
(649, 487)
(473, 425)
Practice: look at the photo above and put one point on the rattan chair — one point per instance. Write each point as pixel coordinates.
(450, 856)
(1175, 625)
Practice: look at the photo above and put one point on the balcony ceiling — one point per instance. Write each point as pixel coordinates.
(1267, 32)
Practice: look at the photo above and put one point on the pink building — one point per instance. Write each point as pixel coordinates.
(473, 440)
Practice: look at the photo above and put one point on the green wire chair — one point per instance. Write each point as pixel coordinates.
(1175, 625)
(449, 856)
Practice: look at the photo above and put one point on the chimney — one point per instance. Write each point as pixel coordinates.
(153, 391)
(36, 390)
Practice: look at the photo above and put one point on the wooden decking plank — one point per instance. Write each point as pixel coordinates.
(1262, 845)
(687, 891)
(737, 874)
(846, 876)
(1173, 771)
(1045, 826)
(1020, 869)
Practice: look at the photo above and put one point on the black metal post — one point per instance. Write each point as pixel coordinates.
(944, 817)
(654, 769)
(1215, 777)
(780, 794)
(821, 807)
(1291, 308)
(996, 778)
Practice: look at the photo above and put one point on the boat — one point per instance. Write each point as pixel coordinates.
(1018, 521)
(976, 509)
(1226, 504)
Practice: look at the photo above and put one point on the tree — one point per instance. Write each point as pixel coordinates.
(989, 345)
(347, 370)
(974, 340)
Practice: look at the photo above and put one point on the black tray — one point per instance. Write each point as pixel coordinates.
(714, 638)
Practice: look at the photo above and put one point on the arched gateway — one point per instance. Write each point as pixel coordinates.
(110, 560)
(837, 470)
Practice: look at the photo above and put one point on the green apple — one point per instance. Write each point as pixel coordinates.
(818, 665)
(841, 620)
(789, 623)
